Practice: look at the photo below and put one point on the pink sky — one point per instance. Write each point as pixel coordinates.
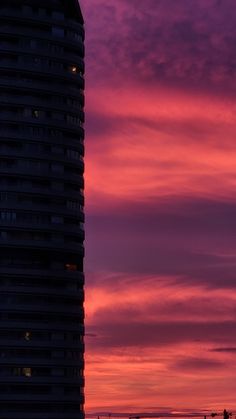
(161, 205)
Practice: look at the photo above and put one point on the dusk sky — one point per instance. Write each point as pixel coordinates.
(160, 204)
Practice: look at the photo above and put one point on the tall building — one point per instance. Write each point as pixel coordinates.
(41, 209)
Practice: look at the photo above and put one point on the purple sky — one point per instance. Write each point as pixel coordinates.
(161, 204)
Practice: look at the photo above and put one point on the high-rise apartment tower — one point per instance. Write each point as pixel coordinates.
(41, 209)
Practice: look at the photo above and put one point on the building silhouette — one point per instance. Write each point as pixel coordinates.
(41, 209)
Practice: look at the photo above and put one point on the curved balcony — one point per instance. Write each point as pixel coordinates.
(19, 97)
(28, 414)
(43, 290)
(46, 228)
(63, 56)
(42, 397)
(37, 343)
(43, 69)
(32, 17)
(39, 84)
(44, 208)
(44, 244)
(32, 361)
(10, 118)
(44, 34)
(30, 324)
(45, 174)
(26, 155)
(42, 273)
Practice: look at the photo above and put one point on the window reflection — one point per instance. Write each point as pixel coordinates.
(27, 335)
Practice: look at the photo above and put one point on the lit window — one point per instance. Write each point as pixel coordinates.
(27, 372)
(71, 267)
(73, 69)
(27, 335)
(35, 113)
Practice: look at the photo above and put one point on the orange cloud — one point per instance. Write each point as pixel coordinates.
(160, 188)
(126, 361)
(161, 298)
(164, 144)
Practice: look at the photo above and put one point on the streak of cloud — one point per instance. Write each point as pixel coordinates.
(160, 188)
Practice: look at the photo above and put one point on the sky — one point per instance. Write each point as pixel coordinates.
(160, 205)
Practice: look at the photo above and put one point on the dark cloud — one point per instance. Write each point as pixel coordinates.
(191, 238)
(185, 215)
(124, 334)
(224, 349)
(103, 126)
(188, 43)
(171, 55)
(189, 364)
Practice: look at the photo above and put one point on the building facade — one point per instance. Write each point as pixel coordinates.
(41, 209)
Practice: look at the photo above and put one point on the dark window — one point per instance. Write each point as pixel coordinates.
(58, 31)
(7, 216)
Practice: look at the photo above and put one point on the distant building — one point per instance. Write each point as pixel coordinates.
(41, 209)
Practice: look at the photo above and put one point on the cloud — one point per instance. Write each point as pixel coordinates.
(160, 310)
(160, 189)
(174, 149)
(145, 334)
(189, 238)
(224, 349)
(191, 363)
(154, 336)
(193, 45)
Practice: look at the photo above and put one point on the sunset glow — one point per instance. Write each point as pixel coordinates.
(161, 205)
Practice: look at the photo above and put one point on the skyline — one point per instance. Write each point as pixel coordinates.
(160, 188)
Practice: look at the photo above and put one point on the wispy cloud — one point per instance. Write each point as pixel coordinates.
(159, 335)
(160, 189)
(190, 44)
